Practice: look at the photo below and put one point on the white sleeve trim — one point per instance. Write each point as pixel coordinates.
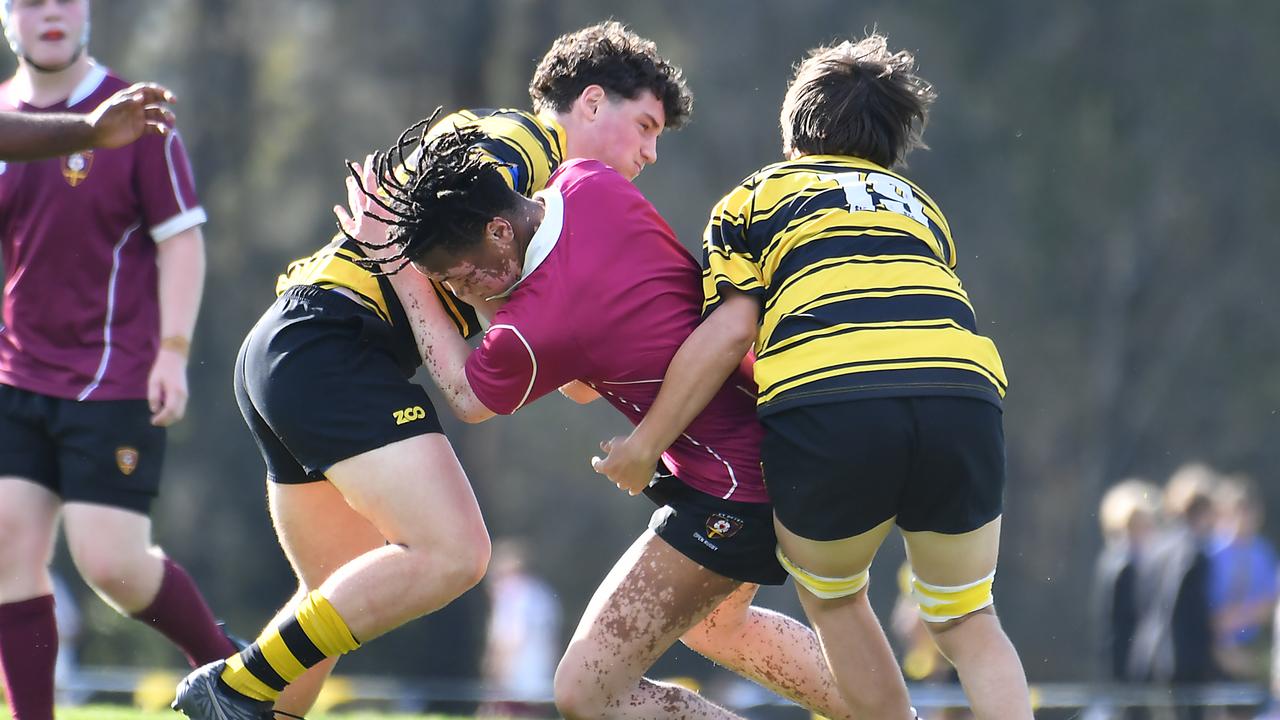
(533, 360)
(176, 224)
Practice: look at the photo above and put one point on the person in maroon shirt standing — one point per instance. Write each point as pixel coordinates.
(104, 267)
(591, 236)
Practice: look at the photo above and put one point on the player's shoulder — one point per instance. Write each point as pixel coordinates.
(100, 84)
(587, 176)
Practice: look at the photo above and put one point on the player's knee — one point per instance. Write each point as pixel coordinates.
(106, 571)
(461, 566)
(25, 544)
(826, 588)
(943, 607)
(576, 697)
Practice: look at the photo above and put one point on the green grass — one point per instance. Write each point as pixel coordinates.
(122, 712)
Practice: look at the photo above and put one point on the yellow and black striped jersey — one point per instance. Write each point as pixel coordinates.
(854, 267)
(528, 149)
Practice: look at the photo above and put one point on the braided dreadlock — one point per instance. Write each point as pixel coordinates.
(441, 196)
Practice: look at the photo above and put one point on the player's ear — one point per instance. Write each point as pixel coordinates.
(498, 230)
(589, 101)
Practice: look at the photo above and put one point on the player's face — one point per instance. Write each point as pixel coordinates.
(486, 270)
(50, 31)
(623, 133)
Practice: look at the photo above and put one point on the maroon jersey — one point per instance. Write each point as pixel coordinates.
(607, 296)
(78, 236)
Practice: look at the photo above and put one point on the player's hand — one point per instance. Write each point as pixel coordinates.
(126, 115)
(626, 464)
(361, 219)
(167, 388)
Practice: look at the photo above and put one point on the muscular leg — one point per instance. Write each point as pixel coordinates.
(413, 493)
(112, 548)
(852, 640)
(649, 599)
(976, 645)
(319, 533)
(771, 649)
(28, 524)
(416, 495)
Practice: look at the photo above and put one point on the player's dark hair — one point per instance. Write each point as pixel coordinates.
(611, 56)
(856, 99)
(440, 196)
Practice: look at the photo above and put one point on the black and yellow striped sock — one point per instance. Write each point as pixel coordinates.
(282, 653)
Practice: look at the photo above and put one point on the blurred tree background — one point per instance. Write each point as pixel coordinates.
(1104, 167)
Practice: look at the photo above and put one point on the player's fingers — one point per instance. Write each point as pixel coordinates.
(152, 93)
(344, 220)
(159, 113)
(355, 197)
(597, 464)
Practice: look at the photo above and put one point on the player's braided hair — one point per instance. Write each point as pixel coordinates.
(440, 195)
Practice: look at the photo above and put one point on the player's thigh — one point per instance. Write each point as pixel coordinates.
(28, 526)
(414, 492)
(318, 531)
(833, 559)
(109, 454)
(727, 618)
(953, 560)
(651, 596)
(112, 549)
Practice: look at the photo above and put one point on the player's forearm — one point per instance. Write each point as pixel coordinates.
(32, 136)
(181, 263)
(444, 352)
(706, 359)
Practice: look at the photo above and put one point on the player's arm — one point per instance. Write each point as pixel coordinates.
(180, 260)
(444, 351)
(118, 121)
(706, 359)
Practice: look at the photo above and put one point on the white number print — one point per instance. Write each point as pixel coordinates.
(876, 191)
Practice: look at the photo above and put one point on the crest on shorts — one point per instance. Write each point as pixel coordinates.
(75, 167)
(127, 459)
(720, 525)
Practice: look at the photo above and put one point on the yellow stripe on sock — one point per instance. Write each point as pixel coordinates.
(326, 628)
(238, 678)
(279, 656)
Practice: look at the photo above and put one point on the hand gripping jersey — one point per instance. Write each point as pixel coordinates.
(854, 267)
(529, 150)
(607, 297)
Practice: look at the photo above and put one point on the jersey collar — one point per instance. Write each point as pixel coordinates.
(544, 238)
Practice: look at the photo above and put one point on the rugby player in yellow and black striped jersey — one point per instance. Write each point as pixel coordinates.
(527, 147)
(853, 266)
(370, 504)
(880, 400)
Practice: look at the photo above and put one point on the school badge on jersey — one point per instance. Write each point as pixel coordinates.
(75, 167)
(721, 525)
(127, 459)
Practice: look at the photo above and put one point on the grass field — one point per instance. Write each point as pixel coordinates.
(123, 712)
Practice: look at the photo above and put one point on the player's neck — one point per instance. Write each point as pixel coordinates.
(527, 220)
(43, 89)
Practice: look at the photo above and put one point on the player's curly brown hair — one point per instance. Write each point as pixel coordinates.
(439, 195)
(615, 58)
(858, 99)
